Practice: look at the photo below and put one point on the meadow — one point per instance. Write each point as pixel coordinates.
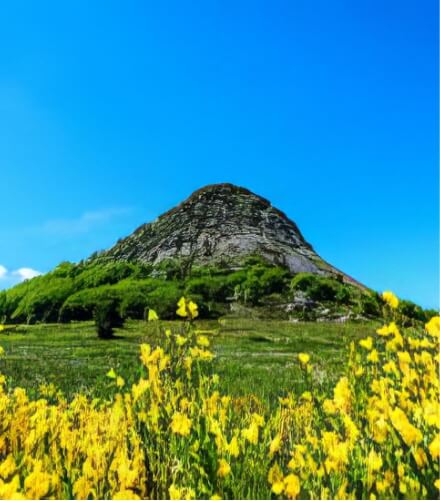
(231, 409)
(251, 356)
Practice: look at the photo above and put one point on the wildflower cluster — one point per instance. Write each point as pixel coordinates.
(377, 436)
(172, 434)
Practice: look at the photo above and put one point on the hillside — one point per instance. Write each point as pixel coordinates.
(225, 247)
(221, 224)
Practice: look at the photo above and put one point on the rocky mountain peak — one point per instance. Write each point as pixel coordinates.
(222, 223)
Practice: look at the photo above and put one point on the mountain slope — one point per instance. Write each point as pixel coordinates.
(222, 223)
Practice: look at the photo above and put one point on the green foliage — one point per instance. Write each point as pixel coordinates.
(210, 288)
(106, 274)
(260, 280)
(107, 317)
(71, 292)
(82, 304)
(274, 280)
(412, 312)
(163, 299)
(133, 305)
(44, 303)
(322, 288)
(370, 305)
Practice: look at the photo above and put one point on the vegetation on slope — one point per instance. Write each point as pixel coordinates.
(73, 292)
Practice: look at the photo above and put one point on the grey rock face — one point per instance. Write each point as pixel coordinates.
(221, 223)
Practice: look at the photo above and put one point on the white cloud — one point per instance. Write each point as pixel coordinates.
(10, 278)
(26, 273)
(82, 224)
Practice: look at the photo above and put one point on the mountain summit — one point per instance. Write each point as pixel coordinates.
(222, 223)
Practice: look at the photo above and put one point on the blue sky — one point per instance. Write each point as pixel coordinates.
(113, 112)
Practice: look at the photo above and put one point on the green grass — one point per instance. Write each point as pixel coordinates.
(252, 356)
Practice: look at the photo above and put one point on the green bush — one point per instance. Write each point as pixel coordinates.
(412, 311)
(321, 288)
(133, 305)
(274, 280)
(163, 299)
(107, 317)
(370, 305)
(82, 304)
(210, 288)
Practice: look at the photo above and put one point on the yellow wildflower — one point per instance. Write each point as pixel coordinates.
(434, 447)
(180, 424)
(390, 368)
(120, 382)
(366, 343)
(374, 461)
(7, 467)
(275, 444)
(180, 340)
(373, 357)
(387, 330)
(278, 487)
(329, 407)
(37, 483)
(390, 299)
(181, 310)
(233, 447)
(342, 395)
(187, 309)
(292, 486)
(256, 418)
(359, 371)
(420, 457)
(152, 315)
(203, 341)
(224, 469)
(433, 327)
(145, 353)
(251, 433)
(175, 492)
(304, 358)
(111, 374)
(410, 434)
(193, 310)
(201, 354)
(82, 488)
(352, 431)
(275, 479)
(306, 395)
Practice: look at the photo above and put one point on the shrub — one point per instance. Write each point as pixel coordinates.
(411, 310)
(370, 305)
(107, 317)
(302, 281)
(274, 280)
(133, 305)
(163, 299)
(210, 288)
(321, 288)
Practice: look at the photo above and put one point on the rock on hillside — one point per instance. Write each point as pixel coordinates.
(222, 223)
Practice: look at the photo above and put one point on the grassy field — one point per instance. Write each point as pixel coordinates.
(257, 357)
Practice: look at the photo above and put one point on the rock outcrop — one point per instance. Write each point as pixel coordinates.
(222, 223)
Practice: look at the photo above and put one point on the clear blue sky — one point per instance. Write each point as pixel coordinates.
(112, 112)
